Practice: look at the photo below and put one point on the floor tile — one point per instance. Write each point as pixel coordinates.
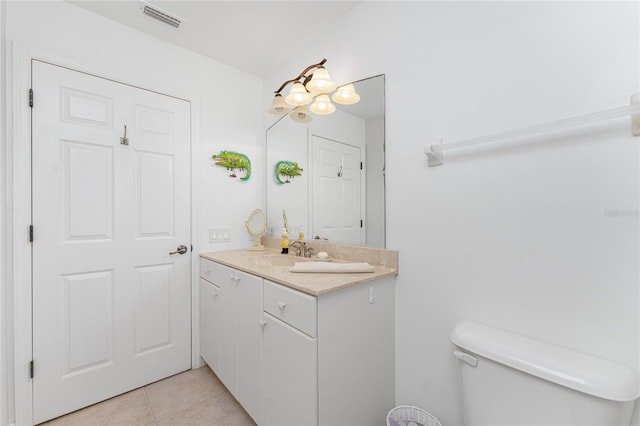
(174, 394)
(131, 408)
(221, 409)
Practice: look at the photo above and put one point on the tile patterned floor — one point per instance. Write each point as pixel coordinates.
(193, 398)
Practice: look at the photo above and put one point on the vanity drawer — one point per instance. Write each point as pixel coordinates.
(211, 271)
(297, 309)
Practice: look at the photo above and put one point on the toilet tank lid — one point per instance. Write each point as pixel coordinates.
(575, 370)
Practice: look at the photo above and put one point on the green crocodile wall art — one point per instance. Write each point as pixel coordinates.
(288, 170)
(234, 161)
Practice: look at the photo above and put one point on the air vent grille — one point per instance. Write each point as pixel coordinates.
(161, 16)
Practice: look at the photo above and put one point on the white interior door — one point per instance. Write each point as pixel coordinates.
(336, 191)
(111, 305)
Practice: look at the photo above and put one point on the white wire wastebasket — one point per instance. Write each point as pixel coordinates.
(407, 415)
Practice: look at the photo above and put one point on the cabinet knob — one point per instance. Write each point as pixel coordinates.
(282, 305)
(263, 323)
(215, 294)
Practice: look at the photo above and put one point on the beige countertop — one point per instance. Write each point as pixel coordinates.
(314, 284)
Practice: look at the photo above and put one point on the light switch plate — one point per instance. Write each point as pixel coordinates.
(219, 235)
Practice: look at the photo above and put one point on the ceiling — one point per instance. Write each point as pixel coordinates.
(254, 36)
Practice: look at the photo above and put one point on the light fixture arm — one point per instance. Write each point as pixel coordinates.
(302, 74)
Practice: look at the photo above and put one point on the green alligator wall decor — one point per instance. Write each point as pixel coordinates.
(288, 170)
(234, 161)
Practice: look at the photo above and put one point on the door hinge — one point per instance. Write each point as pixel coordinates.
(31, 98)
(361, 165)
(30, 233)
(31, 369)
(361, 223)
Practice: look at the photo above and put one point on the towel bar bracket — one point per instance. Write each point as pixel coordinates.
(434, 158)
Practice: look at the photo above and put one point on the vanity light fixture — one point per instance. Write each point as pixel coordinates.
(298, 95)
(301, 114)
(322, 105)
(313, 87)
(279, 106)
(346, 95)
(321, 82)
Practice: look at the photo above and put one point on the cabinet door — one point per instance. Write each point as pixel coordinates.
(227, 369)
(240, 347)
(290, 379)
(249, 289)
(209, 323)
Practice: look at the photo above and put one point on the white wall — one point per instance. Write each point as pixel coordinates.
(4, 402)
(374, 164)
(220, 120)
(522, 235)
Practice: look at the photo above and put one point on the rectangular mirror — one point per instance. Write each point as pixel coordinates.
(328, 174)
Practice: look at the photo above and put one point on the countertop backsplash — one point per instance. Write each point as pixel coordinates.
(374, 256)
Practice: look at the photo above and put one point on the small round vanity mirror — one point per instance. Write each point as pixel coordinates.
(256, 227)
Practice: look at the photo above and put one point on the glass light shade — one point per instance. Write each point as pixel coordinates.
(279, 106)
(321, 82)
(298, 95)
(323, 105)
(346, 95)
(300, 114)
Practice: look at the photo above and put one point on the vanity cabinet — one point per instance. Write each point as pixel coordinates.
(330, 359)
(290, 381)
(231, 333)
(291, 358)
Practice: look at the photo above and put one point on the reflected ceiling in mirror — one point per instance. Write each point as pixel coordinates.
(336, 190)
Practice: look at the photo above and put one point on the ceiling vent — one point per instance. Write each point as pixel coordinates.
(160, 15)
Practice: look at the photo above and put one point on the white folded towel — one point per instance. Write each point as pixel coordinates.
(330, 267)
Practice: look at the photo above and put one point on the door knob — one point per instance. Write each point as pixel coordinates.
(180, 250)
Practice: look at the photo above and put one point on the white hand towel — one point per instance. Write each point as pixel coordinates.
(330, 267)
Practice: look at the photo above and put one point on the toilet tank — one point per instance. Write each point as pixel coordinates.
(509, 379)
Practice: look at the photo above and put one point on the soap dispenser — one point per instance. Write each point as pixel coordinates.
(285, 242)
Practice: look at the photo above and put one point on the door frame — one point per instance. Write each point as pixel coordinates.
(19, 254)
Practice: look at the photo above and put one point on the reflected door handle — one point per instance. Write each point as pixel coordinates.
(180, 250)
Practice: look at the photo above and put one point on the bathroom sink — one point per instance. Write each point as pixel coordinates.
(276, 260)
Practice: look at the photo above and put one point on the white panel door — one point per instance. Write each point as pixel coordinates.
(336, 191)
(111, 305)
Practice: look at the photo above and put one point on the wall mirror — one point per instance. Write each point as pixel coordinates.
(328, 174)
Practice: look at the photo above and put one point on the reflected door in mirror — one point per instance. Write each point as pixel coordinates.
(336, 191)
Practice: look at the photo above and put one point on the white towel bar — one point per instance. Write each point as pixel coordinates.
(434, 152)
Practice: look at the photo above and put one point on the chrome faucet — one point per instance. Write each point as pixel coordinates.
(299, 245)
(301, 248)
